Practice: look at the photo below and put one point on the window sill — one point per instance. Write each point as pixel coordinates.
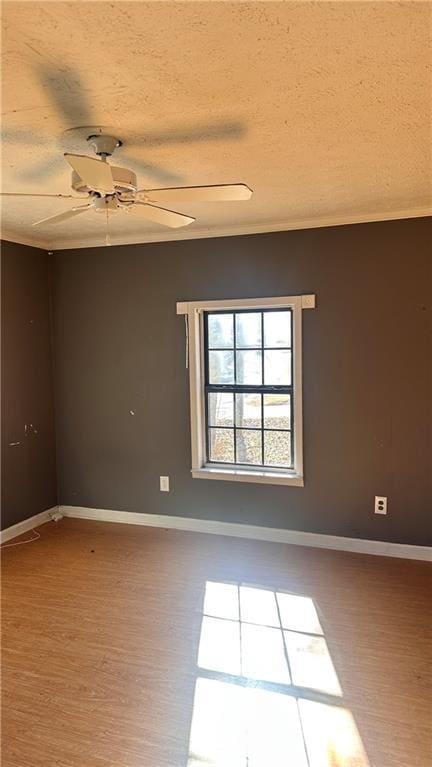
(240, 475)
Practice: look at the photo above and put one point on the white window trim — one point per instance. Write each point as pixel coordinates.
(200, 469)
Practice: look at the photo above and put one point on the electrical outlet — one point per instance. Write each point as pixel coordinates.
(164, 484)
(380, 504)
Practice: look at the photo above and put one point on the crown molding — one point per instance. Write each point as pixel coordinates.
(231, 231)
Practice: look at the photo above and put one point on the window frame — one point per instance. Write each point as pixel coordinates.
(201, 469)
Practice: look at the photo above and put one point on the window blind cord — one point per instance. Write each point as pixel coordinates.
(187, 339)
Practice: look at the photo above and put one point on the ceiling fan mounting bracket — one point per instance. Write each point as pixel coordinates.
(104, 144)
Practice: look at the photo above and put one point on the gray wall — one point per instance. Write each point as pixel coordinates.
(28, 469)
(367, 376)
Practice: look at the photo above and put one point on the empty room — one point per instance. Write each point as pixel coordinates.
(216, 380)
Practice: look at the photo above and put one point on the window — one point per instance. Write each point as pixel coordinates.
(248, 388)
(245, 388)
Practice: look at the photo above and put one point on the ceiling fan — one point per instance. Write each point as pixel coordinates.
(109, 188)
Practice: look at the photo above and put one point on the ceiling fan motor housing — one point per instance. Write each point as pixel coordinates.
(125, 181)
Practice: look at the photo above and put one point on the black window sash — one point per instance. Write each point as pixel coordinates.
(245, 389)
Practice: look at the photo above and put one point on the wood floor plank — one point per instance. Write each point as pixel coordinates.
(101, 625)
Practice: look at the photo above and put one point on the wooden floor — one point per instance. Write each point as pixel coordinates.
(101, 624)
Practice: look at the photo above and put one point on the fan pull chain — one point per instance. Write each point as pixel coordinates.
(107, 237)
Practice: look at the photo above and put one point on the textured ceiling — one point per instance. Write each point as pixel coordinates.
(323, 109)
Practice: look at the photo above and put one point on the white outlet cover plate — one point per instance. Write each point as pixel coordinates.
(164, 484)
(380, 499)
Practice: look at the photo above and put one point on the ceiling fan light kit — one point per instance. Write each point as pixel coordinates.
(109, 188)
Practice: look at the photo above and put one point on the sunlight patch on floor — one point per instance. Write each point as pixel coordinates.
(310, 662)
(232, 724)
(262, 654)
(219, 648)
(260, 634)
(331, 736)
(298, 613)
(262, 660)
(258, 606)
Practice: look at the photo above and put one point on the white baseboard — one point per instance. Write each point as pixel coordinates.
(27, 524)
(257, 532)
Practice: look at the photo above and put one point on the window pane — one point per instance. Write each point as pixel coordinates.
(248, 444)
(249, 370)
(221, 367)
(258, 606)
(277, 448)
(221, 600)
(248, 409)
(262, 654)
(221, 445)
(219, 648)
(310, 662)
(277, 368)
(220, 409)
(277, 329)
(298, 613)
(220, 331)
(248, 329)
(277, 411)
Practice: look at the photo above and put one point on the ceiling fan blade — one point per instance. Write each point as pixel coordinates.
(220, 193)
(63, 216)
(30, 194)
(161, 215)
(96, 174)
